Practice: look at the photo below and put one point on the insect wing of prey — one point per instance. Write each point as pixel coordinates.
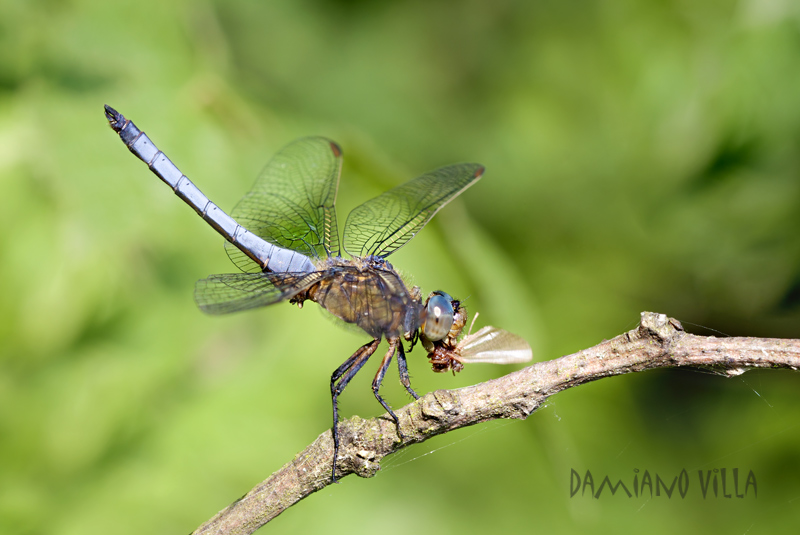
(493, 346)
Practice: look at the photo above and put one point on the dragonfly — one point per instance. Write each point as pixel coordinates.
(283, 236)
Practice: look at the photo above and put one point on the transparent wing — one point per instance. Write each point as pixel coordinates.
(382, 225)
(495, 346)
(232, 292)
(292, 203)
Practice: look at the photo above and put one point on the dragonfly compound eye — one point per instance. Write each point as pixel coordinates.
(438, 317)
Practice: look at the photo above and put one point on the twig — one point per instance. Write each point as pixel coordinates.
(658, 342)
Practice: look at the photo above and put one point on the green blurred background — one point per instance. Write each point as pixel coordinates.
(640, 156)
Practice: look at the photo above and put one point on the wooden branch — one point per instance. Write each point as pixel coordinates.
(658, 342)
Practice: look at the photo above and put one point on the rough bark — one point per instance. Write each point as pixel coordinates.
(658, 342)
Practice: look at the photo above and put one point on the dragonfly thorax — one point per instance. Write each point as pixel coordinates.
(367, 292)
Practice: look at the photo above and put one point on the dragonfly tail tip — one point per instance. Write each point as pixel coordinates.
(115, 119)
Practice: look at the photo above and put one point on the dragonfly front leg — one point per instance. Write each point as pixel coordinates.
(376, 383)
(339, 380)
(402, 367)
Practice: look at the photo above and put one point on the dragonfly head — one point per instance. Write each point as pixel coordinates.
(437, 316)
(442, 321)
(442, 317)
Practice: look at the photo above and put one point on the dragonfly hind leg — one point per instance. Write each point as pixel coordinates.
(339, 380)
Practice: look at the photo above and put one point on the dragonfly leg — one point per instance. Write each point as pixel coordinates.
(376, 383)
(339, 380)
(402, 367)
(414, 340)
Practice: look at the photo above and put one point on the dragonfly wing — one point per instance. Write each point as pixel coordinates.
(495, 346)
(382, 225)
(292, 203)
(232, 292)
